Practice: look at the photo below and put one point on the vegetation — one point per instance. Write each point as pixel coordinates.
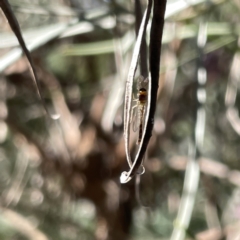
(60, 178)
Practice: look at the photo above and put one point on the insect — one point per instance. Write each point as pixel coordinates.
(141, 100)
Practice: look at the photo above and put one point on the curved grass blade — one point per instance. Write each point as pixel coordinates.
(4, 4)
(129, 83)
(155, 50)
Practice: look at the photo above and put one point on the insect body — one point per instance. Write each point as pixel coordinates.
(141, 105)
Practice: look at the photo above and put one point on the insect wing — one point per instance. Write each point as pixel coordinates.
(142, 82)
(135, 119)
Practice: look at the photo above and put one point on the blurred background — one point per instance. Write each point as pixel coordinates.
(59, 179)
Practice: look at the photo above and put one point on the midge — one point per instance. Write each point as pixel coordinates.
(141, 100)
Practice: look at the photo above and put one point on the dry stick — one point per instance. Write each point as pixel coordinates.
(155, 50)
(16, 29)
(129, 83)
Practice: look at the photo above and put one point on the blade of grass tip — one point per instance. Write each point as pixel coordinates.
(154, 59)
(129, 86)
(4, 4)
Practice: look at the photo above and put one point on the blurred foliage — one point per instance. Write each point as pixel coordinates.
(60, 179)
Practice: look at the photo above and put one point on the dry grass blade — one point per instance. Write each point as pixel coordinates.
(155, 50)
(16, 29)
(129, 85)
